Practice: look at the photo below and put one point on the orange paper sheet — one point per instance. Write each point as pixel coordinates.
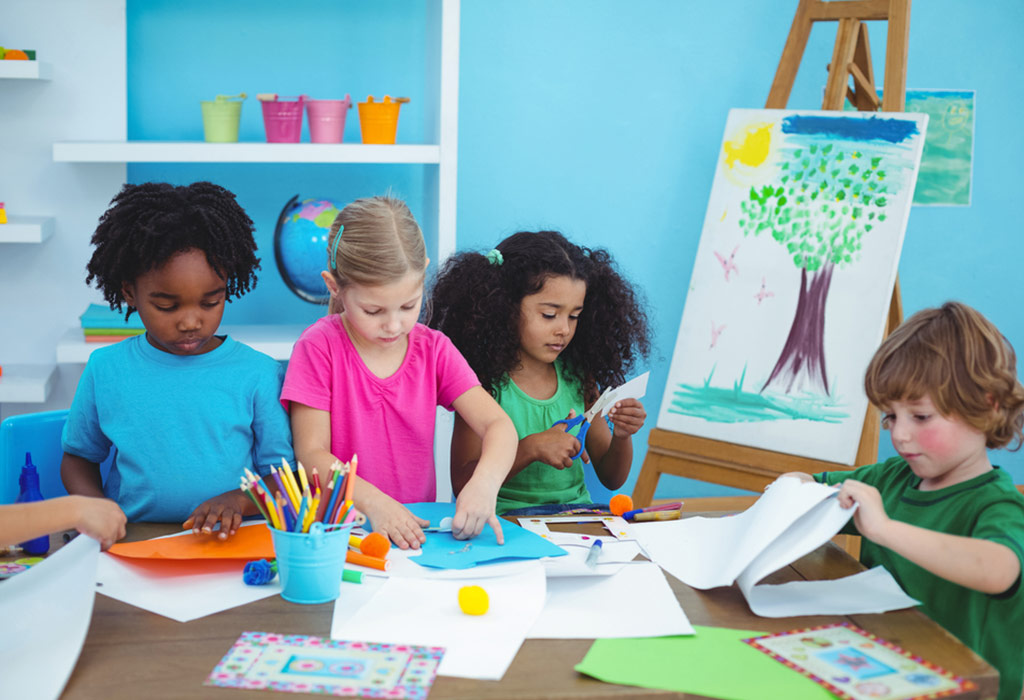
(251, 542)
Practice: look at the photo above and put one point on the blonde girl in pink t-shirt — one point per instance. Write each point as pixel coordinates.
(367, 379)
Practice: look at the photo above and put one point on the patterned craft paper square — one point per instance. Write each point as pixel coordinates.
(303, 664)
(857, 665)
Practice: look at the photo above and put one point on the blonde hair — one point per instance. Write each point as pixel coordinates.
(380, 242)
(960, 360)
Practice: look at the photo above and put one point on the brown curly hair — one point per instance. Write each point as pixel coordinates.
(476, 303)
(958, 358)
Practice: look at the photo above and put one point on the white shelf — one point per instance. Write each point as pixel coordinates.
(26, 229)
(246, 152)
(25, 70)
(276, 341)
(27, 383)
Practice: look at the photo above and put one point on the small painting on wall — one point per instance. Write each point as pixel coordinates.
(944, 178)
(792, 280)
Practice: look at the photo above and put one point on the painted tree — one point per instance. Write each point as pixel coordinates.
(829, 193)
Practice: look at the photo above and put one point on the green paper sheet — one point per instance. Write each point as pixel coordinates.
(714, 662)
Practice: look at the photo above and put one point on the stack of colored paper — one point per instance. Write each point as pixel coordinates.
(101, 324)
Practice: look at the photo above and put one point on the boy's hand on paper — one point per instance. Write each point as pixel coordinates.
(393, 520)
(554, 446)
(99, 518)
(870, 517)
(627, 417)
(226, 509)
(474, 508)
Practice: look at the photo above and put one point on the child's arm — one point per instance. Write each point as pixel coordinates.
(554, 447)
(311, 438)
(80, 476)
(610, 452)
(99, 518)
(474, 506)
(982, 565)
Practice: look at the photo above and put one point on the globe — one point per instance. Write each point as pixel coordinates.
(300, 246)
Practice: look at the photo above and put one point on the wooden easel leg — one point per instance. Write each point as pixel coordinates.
(792, 53)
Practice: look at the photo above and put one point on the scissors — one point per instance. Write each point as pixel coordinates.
(585, 419)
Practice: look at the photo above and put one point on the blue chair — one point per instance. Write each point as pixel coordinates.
(38, 433)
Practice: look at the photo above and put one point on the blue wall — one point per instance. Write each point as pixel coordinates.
(600, 119)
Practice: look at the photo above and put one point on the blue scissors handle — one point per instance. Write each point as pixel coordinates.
(570, 423)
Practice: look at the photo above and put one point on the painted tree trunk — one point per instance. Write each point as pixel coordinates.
(801, 364)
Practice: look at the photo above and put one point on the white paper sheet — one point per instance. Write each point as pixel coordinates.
(426, 611)
(867, 592)
(615, 554)
(45, 613)
(635, 602)
(182, 590)
(790, 520)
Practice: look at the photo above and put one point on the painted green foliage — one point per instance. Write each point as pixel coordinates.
(825, 200)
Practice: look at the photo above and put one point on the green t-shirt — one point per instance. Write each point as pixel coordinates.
(987, 507)
(540, 483)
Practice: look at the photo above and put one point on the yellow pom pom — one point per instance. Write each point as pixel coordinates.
(620, 503)
(473, 600)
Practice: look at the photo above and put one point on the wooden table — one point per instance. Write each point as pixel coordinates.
(133, 653)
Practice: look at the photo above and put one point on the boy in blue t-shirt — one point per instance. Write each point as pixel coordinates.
(186, 410)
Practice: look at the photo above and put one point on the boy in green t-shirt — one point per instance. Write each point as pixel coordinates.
(947, 524)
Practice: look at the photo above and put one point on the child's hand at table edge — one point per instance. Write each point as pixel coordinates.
(393, 520)
(627, 417)
(99, 518)
(227, 509)
(474, 508)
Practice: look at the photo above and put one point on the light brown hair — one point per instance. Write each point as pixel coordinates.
(960, 360)
(380, 243)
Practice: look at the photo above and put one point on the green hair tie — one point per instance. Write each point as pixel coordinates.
(494, 257)
(334, 249)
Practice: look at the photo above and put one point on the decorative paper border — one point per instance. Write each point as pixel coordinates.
(963, 684)
(416, 680)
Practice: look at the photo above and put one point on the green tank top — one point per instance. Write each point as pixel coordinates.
(540, 483)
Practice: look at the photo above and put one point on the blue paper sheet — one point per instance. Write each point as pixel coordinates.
(101, 316)
(443, 551)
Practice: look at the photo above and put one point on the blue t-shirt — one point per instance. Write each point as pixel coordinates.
(185, 426)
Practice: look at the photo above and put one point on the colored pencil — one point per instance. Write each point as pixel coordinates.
(300, 521)
(247, 490)
(351, 480)
(303, 479)
(289, 477)
(334, 499)
(283, 490)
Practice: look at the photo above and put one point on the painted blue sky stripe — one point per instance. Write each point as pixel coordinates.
(851, 128)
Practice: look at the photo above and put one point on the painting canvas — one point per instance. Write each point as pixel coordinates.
(792, 280)
(946, 165)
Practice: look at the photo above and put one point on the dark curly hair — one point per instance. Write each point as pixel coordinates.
(147, 224)
(476, 303)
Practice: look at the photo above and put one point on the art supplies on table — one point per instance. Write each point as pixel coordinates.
(856, 665)
(476, 646)
(296, 663)
(614, 524)
(443, 551)
(713, 663)
(178, 585)
(791, 519)
(46, 612)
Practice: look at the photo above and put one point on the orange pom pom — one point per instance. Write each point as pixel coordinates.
(620, 503)
(375, 545)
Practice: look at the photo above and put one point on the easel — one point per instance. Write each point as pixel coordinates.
(749, 467)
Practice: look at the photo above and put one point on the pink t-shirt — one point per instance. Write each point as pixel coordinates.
(389, 422)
